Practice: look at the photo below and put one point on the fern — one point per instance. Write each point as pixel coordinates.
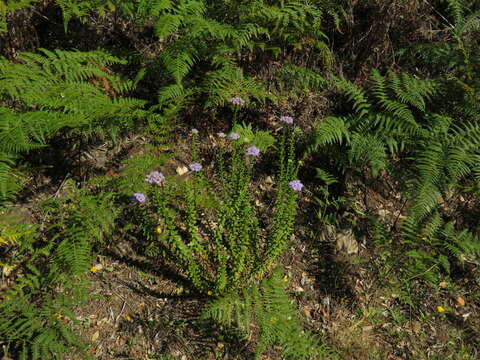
(382, 118)
(329, 131)
(269, 308)
(445, 158)
(80, 231)
(299, 79)
(36, 318)
(438, 247)
(9, 182)
(369, 150)
(200, 33)
(56, 90)
(456, 8)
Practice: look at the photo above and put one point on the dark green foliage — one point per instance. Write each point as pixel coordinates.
(457, 54)
(438, 247)
(43, 94)
(36, 312)
(418, 132)
(394, 122)
(382, 119)
(199, 33)
(88, 223)
(269, 309)
(31, 319)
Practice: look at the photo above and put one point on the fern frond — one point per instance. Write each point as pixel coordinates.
(356, 95)
(367, 150)
(456, 8)
(270, 308)
(331, 130)
(9, 182)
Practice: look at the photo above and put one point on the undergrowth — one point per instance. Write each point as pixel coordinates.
(241, 66)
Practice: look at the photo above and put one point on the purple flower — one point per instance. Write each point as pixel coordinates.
(237, 101)
(254, 151)
(234, 136)
(194, 131)
(155, 177)
(139, 197)
(221, 134)
(296, 185)
(286, 119)
(195, 166)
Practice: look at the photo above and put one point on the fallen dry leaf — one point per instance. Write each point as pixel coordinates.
(181, 170)
(459, 301)
(443, 284)
(95, 336)
(346, 242)
(307, 311)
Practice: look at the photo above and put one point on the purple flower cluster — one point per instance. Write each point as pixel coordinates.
(237, 101)
(195, 166)
(286, 119)
(139, 197)
(296, 185)
(234, 136)
(254, 151)
(155, 177)
(221, 134)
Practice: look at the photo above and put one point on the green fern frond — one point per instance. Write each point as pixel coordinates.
(367, 150)
(456, 8)
(356, 95)
(470, 24)
(268, 307)
(178, 60)
(167, 24)
(9, 182)
(331, 130)
(301, 78)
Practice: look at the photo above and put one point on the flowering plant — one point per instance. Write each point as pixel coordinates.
(214, 231)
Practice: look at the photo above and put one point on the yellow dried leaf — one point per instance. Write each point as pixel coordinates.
(181, 170)
(95, 336)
